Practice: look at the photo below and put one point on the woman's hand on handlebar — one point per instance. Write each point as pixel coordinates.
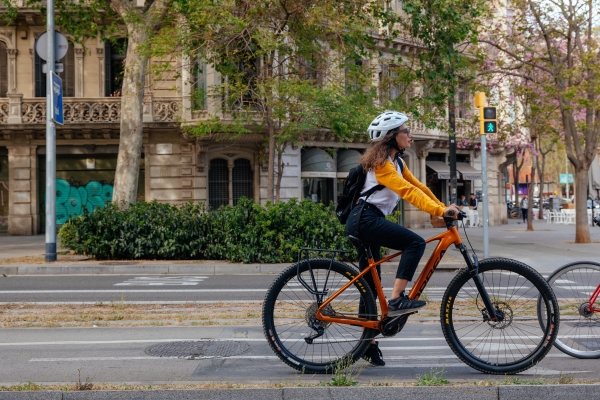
(451, 211)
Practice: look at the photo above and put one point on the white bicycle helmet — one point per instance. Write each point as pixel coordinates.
(384, 123)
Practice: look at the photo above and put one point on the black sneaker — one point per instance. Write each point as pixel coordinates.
(373, 355)
(404, 305)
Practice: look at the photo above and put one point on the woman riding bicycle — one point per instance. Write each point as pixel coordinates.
(384, 166)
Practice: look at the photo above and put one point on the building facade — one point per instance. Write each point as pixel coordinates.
(175, 168)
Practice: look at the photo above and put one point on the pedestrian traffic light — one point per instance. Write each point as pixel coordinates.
(488, 120)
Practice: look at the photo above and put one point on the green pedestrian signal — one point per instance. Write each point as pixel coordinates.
(488, 123)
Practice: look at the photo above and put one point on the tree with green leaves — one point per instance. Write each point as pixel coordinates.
(559, 41)
(109, 19)
(292, 69)
(448, 31)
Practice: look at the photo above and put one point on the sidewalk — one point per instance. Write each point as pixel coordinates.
(549, 392)
(545, 249)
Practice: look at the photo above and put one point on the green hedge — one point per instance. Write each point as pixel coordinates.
(247, 232)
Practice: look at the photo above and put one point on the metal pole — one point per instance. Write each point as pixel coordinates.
(567, 176)
(50, 143)
(452, 150)
(484, 197)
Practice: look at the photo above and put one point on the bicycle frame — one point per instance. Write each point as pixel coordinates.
(592, 300)
(451, 236)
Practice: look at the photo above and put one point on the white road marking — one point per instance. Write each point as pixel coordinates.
(388, 358)
(163, 281)
(240, 339)
(587, 288)
(137, 291)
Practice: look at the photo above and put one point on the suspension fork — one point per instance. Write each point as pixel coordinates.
(473, 266)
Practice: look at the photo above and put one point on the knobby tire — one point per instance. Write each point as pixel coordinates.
(517, 342)
(288, 308)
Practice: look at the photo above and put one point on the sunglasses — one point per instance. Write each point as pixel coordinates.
(407, 131)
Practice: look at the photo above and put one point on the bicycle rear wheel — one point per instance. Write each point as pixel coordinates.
(517, 340)
(573, 284)
(289, 311)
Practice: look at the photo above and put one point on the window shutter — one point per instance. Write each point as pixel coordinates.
(40, 77)
(68, 75)
(107, 70)
(3, 70)
(218, 183)
(241, 180)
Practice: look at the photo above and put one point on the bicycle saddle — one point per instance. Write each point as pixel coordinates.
(357, 242)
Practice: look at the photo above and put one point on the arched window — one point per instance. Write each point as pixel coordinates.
(218, 183)
(67, 76)
(227, 186)
(241, 179)
(3, 70)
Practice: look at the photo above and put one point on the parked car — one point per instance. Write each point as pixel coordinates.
(592, 203)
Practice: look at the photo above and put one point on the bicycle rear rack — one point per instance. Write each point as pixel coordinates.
(304, 254)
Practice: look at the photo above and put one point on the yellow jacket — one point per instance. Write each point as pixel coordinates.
(409, 188)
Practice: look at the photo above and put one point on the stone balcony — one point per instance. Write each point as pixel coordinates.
(15, 109)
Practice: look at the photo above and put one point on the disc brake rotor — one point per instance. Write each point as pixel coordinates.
(506, 314)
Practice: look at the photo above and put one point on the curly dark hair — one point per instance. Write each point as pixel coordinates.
(377, 155)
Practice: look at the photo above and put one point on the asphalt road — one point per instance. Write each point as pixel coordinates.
(153, 288)
(120, 355)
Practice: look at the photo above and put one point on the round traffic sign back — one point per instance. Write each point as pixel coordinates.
(61, 45)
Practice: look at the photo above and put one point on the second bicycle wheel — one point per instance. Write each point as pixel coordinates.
(517, 340)
(573, 284)
(289, 316)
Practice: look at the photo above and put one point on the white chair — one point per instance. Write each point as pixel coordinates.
(551, 216)
(568, 216)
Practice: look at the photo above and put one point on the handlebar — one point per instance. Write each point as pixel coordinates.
(461, 215)
(450, 221)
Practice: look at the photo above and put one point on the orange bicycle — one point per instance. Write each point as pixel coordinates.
(498, 315)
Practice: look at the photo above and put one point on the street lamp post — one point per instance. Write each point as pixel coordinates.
(50, 142)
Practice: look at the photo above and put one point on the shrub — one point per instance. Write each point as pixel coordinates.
(246, 232)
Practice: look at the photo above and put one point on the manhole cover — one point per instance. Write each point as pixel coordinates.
(197, 350)
(119, 263)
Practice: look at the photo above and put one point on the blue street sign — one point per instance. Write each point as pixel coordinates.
(563, 178)
(57, 99)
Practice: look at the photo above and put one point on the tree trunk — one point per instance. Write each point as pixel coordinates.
(130, 143)
(582, 229)
(271, 155)
(280, 167)
(530, 198)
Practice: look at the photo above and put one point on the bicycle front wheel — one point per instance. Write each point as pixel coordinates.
(516, 340)
(573, 285)
(289, 316)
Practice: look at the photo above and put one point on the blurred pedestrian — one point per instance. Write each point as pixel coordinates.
(525, 208)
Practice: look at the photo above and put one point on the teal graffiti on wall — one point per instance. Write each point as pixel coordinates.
(72, 197)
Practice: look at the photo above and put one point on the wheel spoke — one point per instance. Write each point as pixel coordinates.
(509, 343)
(289, 312)
(573, 285)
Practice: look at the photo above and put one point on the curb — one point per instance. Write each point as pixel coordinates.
(549, 392)
(176, 269)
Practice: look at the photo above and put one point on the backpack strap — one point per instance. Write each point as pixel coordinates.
(362, 207)
(373, 190)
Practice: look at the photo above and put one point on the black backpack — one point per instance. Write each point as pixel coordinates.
(351, 193)
(352, 187)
